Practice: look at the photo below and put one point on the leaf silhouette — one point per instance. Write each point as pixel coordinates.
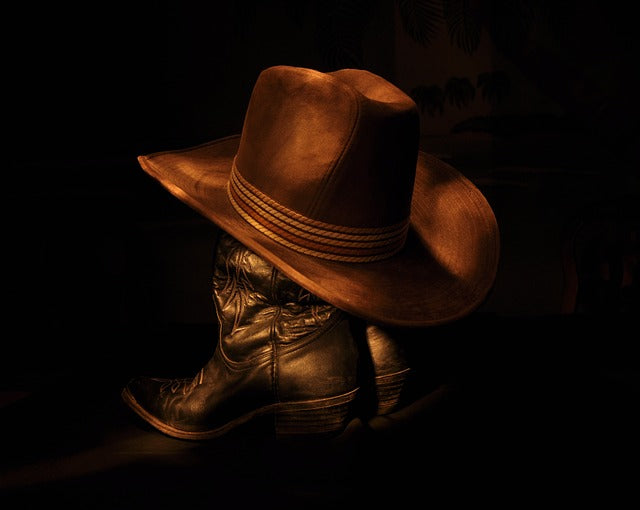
(495, 86)
(459, 91)
(420, 19)
(429, 98)
(463, 24)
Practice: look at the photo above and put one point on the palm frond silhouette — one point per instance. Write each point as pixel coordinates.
(420, 18)
(494, 85)
(459, 92)
(429, 98)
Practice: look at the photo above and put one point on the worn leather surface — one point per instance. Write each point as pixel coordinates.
(339, 152)
(278, 344)
(387, 355)
(339, 148)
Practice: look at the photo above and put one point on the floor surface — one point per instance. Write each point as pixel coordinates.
(549, 417)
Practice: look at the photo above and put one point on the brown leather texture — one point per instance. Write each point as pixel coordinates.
(340, 149)
(279, 347)
(351, 164)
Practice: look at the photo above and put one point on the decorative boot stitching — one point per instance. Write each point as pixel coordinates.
(238, 286)
(183, 386)
(273, 335)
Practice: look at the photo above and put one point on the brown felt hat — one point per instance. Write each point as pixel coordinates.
(326, 182)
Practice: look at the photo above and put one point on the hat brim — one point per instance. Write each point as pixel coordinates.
(443, 273)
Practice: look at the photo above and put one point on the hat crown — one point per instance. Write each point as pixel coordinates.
(338, 148)
(327, 170)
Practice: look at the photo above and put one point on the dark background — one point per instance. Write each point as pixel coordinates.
(109, 276)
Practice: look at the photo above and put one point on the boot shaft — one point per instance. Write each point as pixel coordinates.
(266, 320)
(281, 351)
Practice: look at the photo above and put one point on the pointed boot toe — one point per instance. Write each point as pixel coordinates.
(281, 353)
(151, 399)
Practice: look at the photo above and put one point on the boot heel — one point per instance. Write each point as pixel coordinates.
(389, 390)
(321, 417)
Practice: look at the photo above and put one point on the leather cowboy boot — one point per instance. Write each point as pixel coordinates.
(282, 351)
(391, 369)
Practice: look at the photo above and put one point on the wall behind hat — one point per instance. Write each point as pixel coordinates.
(91, 86)
(114, 79)
(537, 103)
(96, 244)
(108, 81)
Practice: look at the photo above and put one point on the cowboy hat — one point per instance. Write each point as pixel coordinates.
(327, 183)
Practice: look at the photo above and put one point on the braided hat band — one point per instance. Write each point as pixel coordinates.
(309, 236)
(328, 183)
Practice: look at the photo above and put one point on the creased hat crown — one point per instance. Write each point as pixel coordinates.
(327, 184)
(326, 162)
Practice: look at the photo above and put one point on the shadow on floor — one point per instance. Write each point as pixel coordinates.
(521, 410)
